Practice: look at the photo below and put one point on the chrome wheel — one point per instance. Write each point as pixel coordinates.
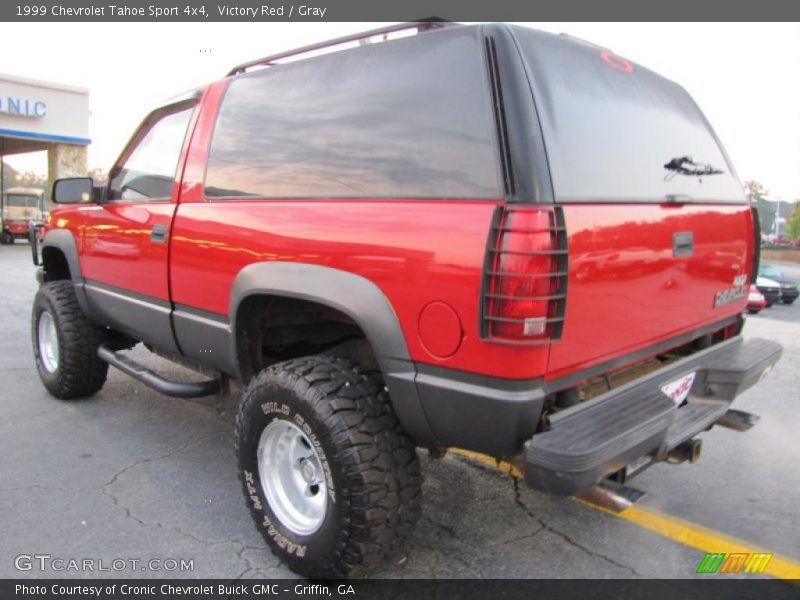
(292, 478)
(48, 342)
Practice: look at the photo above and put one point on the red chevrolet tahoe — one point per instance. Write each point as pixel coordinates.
(483, 237)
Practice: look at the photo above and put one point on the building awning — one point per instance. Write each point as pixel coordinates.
(18, 142)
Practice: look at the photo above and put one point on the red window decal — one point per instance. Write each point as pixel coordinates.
(616, 62)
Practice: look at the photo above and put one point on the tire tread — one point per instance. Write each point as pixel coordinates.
(80, 372)
(380, 462)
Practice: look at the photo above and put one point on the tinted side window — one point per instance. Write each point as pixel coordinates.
(147, 172)
(407, 118)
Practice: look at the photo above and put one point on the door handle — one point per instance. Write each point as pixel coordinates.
(682, 244)
(158, 234)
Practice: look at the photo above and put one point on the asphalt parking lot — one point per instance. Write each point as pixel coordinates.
(131, 474)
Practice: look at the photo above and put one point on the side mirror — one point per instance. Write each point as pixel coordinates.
(75, 190)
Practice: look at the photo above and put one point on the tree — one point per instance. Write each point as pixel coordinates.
(755, 190)
(31, 179)
(766, 210)
(793, 222)
(9, 176)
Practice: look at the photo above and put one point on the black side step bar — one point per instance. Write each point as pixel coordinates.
(175, 389)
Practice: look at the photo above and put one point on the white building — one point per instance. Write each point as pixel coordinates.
(40, 115)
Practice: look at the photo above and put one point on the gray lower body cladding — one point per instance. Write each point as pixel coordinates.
(485, 414)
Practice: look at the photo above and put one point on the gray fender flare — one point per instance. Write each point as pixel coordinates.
(64, 240)
(362, 301)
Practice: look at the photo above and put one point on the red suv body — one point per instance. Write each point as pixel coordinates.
(540, 248)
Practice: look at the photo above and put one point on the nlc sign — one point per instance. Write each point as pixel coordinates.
(23, 107)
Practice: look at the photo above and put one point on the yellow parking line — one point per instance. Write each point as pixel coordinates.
(500, 465)
(673, 528)
(702, 538)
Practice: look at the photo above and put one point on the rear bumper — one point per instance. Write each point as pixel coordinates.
(771, 295)
(17, 229)
(601, 436)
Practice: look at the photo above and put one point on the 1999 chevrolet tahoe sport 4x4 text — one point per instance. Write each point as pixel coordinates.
(483, 237)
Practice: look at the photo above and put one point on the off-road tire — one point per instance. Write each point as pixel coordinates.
(80, 373)
(6, 238)
(374, 472)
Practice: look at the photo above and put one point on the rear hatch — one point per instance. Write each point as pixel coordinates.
(655, 252)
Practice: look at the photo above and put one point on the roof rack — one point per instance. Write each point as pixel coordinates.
(268, 61)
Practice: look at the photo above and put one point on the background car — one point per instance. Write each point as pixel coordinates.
(755, 301)
(20, 206)
(771, 290)
(788, 287)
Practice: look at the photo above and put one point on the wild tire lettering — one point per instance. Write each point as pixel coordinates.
(301, 422)
(274, 407)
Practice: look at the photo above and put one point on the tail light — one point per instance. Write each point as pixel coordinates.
(525, 281)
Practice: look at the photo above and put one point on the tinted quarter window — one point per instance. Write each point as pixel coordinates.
(406, 118)
(147, 171)
(610, 126)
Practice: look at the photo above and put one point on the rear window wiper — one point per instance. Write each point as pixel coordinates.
(686, 166)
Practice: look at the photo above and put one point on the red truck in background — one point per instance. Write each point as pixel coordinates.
(483, 237)
(21, 205)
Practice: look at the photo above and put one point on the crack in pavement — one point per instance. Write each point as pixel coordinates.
(516, 539)
(544, 526)
(564, 536)
(451, 533)
(116, 476)
(150, 459)
(250, 567)
(242, 546)
(104, 489)
(118, 502)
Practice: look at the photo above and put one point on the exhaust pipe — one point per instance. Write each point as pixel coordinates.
(738, 420)
(688, 450)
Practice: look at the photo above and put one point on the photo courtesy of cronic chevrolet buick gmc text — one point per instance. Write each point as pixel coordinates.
(481, 237)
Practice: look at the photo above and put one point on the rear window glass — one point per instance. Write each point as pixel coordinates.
(610, 126)
(406, 118)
